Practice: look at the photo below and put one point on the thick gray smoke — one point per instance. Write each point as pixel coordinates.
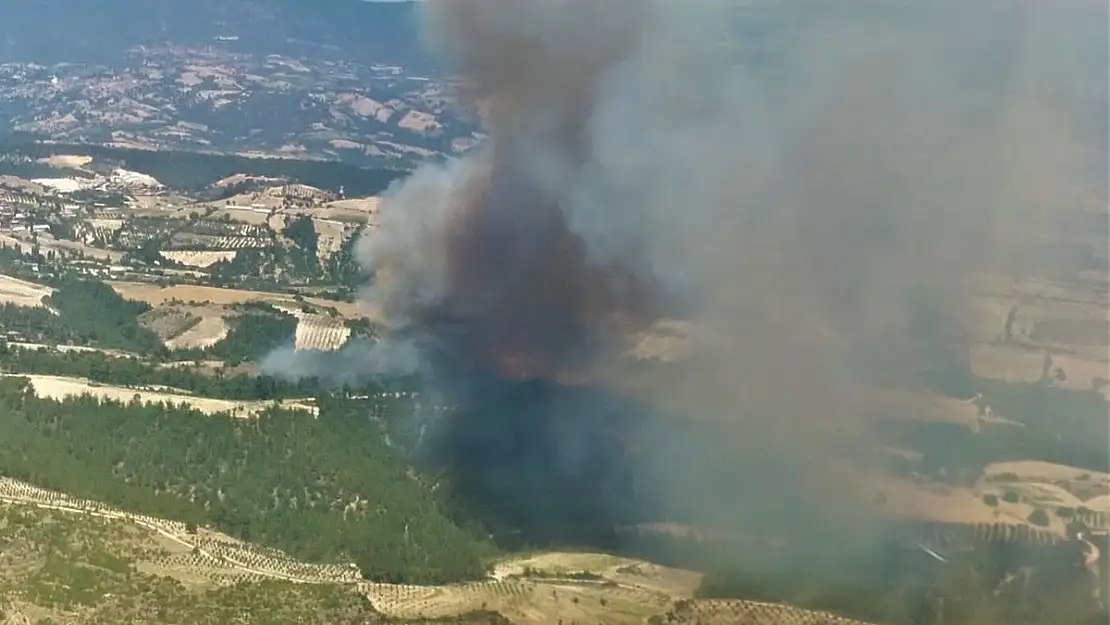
(781, 176)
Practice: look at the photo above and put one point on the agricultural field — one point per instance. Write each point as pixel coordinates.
(1006, 492)
(58, 387)
(1052, 487)
(156, 295)
(199, 259)
(1038, 329)
(320, 332)
(735, 611)
(243, 214)
(331, 235)
(206, 332)
(550, 588)
(352, 209)
(190, 240)
(186, 326)
(66, 161)
(21, 292)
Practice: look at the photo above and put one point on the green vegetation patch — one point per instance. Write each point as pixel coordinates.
(80, 568)
(326, 489)
(88, 313)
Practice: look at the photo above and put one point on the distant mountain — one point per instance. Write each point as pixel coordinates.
(323, 79)
(100, 31)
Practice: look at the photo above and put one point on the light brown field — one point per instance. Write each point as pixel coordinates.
(199, 259)
(252, 216)
(21, 292)
(1015, 363)
(47, 242)
(542, 590)
(59, 387)
(156, 295)
(908, 499)
(331, 235)
(66, 160)
(1049, 485)
(1044, 471)
(920, 406)
(210, 330)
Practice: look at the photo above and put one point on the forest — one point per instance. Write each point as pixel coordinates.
(326, 489)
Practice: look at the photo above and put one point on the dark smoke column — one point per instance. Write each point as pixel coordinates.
(517, 289)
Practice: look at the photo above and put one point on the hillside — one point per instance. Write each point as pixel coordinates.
(65, 567)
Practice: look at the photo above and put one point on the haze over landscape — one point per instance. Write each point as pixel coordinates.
(633, 311)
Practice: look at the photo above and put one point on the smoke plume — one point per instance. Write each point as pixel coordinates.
(781, 177)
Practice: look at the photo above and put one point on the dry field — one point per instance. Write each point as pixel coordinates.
(1038, 485)
(211, 329)
(1017, 363)
(244, 214)
(199, 259)
(156, 295)
(187, 326)
(66, 160)
(1070, 321)
(914, 500)
(550, 588)
(1052, 486)
(331, 235)
(58, 387)
(352, 208)
(22, 293)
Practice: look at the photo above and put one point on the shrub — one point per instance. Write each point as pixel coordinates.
(1039, 518)
(1064, 512)
(1011, 497)
(990, 499)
